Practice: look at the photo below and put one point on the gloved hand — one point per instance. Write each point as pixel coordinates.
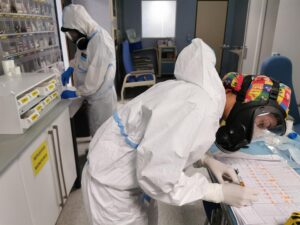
(238, 196)
(68, 94)
(220, 170)
(65, 77)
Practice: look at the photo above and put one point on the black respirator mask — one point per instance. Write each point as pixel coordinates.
(81, 41)
(240, 123)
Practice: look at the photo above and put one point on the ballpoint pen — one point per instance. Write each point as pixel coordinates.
(241, 182)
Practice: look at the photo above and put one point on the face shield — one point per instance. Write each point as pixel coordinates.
(246, 123)
(264, 124)
(272, 122)
(245, 118)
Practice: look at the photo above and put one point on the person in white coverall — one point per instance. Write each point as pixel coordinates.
(94, 65)
(147, 145)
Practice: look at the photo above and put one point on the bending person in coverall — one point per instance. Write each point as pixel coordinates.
(145, 147)
(94, 65)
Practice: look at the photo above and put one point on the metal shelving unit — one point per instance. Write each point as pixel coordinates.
(166, 59)
(29, 34)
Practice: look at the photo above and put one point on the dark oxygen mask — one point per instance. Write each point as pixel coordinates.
(244, 117)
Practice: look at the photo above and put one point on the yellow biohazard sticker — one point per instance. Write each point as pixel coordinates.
(39, 158)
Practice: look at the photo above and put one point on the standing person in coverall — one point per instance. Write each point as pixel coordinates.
(94, 65)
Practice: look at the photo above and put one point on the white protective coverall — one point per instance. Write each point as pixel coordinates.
(172, 124)
(95, 67)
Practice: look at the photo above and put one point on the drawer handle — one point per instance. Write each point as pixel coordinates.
(55, 127)
(50, 132)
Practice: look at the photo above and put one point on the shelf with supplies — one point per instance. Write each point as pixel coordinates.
(166, 59)
(30, 51)
(24, 34)
(22, 15)
(29, 28)
(51, 67)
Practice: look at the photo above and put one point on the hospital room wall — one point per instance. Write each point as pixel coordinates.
(99, 10)
(287, 36)
(185, 21)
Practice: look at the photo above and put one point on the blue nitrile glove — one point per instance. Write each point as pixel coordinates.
(68, 94)
(65, 77)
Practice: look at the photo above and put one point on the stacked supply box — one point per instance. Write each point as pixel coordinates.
(25, 99)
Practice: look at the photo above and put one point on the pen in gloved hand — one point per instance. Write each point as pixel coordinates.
(241, 182)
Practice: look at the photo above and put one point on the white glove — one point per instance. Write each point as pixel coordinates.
(238, 196)
(220, 170)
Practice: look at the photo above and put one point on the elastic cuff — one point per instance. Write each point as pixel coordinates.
(214, 193)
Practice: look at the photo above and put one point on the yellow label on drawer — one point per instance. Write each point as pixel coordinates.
(54, 95)
(51, 87)
(35, 93)
(53, 81)
(34, 116)
(39, 107)
(24, 100)
(39, 158)
(48, 100)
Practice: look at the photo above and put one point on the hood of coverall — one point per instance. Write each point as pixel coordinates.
(76, 17)
(196, 64)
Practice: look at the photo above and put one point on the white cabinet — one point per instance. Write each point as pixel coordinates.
(40, 188)
(64, 153)
(48, 171)
(13, 204)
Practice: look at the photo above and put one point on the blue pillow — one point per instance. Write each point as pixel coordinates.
(144, 77)
(131, 79)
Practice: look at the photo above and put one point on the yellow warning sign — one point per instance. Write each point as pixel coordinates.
(39, 158)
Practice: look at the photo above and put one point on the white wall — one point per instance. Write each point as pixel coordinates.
(100, 11)
(287, 37)
(253, 35)
(62, 35)
(269, 30)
